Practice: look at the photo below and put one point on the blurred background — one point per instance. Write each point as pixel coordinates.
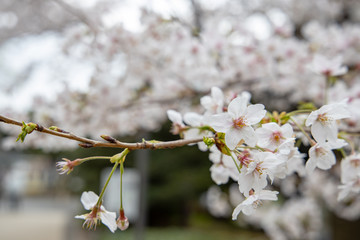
(111, 67)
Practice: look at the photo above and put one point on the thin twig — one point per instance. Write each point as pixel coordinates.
(87, 143)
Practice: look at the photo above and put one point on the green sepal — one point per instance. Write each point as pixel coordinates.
(120, 157)
(220, 143)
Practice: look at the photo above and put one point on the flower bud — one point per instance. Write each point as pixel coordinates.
(108, 138)
(122, 222)
(209, 141)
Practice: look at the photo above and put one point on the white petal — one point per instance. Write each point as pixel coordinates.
(237, 107)
(193, 119)
(268, 195)
(321, 132)
(206, 102)
(339, 110)
(217, 95)
(89, 199)
(109, 219)
(271, 126)
(236, 211)
(175, 116)
(310, 164)
(232, 138)
(244, 204)
(248, 134)
(219, 174)
(340, 71)
(248, 210)
(254, 114)
(327, 160)
(312, 118)
(287, 130)
(246, 183)
(339, 143)
(221, 122)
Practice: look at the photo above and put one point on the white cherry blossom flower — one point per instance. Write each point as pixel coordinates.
(323, 121)
(328, 67)
(249, 205)
(214, 103)
(322, 156)
(292, 158)
(177, 122)
(89, 200)
(348, 188)
(255, 169)
(271, 135)
(196, 120)
(236, 122)
(350, 176)
(350, 168)
(223, 167)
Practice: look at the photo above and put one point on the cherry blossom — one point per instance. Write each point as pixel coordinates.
(213, 104)
(323, 121)
(176, 118)
(196, 121)
(276, 70)
(256, 166)
(350, 176)
(326, 67)
(236, 122)
(249, 205)
(271, 135)
(223, 167)
(89, 201)
(321, 155)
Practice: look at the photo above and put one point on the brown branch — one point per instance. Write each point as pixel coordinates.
(113, 143)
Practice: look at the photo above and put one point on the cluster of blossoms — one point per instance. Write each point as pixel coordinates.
(165, 61)
(167, 65)
(256, 148)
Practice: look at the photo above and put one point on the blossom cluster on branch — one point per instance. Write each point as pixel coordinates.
(307, 57)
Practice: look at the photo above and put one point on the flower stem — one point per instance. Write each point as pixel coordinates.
(237, 166)
(121, 186)
(301, 129)
(299, 111)
(342, 152)
(120, 159)
(93, 158)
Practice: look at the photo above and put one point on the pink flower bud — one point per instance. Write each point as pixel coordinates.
(122, 222)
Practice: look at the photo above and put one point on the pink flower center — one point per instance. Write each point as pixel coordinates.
(239, 123)
(244, 158)
(276, 136)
